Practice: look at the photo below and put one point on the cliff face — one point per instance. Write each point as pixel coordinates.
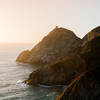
(91, 52)
(61, 72)
(57, 54)
(87, 85)
(91, 35)
(55, 45)
(70, 61)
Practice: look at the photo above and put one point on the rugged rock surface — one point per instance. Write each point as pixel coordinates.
(91, 53)
(23, 56)
(59, 52)
(60, 73)
(91, 35)
(87, 85)
(55, 45)
(70, 61)
(84, 87)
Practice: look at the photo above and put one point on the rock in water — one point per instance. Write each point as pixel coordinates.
(55, 45)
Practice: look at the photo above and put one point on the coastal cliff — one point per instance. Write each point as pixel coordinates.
(56, 44)
(87, 85)
(65, 59)
(57, 54)
(60, 73)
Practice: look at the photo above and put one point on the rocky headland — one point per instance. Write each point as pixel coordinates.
(54, 46)
(65, 59)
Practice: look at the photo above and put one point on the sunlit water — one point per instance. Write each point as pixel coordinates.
(12, 74)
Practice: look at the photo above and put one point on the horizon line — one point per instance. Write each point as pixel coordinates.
(17, 43)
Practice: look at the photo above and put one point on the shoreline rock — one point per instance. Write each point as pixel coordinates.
(60, 73)
(67, 60)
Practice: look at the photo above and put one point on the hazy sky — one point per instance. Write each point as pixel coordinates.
(31, 20)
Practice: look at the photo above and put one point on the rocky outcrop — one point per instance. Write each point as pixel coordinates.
(23, 56)
(60, 73)
(58, 56)
(87, 85)
(91, 35)
(84, 87)
(91, 53)
(67, 60)
(55, 45)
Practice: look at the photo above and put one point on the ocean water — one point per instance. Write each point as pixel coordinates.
(12, 74)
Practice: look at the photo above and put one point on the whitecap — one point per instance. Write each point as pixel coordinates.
(21, 83)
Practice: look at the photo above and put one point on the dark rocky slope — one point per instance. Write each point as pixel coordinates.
(87, 85)
(60, 73)
(91, 35)
(63, 70)
(55, 45)
(84, 87)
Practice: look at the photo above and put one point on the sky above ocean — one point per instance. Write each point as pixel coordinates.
(30, 20)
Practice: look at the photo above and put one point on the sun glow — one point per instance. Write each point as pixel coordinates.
(31, 20)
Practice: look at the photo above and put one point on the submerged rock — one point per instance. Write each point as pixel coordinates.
(55, 45)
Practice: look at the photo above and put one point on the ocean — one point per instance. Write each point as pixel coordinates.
(12, 74)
